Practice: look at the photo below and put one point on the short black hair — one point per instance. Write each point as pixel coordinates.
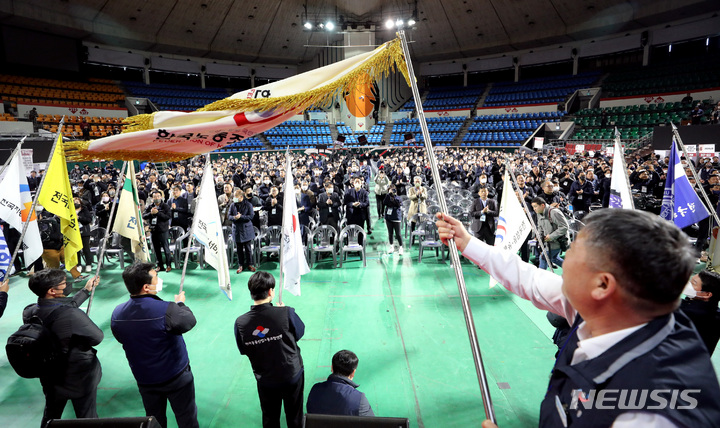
(136, 276)
(259, 284)
(156, 192)
(46, 279)
(538, 200)
(654, 275)
(344, 363)
(711, 282)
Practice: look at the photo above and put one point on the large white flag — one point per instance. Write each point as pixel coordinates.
(620, 195)
(207, 229)
(15, 204)
(293, 257)
(128, 218)
(513, 225)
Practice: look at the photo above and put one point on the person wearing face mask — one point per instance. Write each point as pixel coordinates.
(264, 189)
(102, 210)
(581, 193)
(303, 206)
(484, 210)
(305, 189)
(483, 182)
(77, 375)
(356, 202)
(550, 195)
(256, 203)
(157, 216)
(241, 213)
(393, 215)
(150, 330)
(274, 208)
(328, 206)
(605, 188)
(95, 187)
(382, 184)
(84, 216)
(179, 208)
(418, 196)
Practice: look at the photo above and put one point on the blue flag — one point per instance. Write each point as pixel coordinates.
(4, 257)
(680, 202)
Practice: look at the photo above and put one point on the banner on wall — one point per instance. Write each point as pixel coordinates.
(27, 159)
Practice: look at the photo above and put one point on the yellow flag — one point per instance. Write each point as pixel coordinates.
(56, 197)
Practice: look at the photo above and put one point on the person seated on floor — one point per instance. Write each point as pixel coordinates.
(702, 309)
(338, 395)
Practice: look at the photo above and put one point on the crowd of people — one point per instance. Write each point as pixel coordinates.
(333, 191)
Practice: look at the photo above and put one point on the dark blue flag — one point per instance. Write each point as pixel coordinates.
(680, 202)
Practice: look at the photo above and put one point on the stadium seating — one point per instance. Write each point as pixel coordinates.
(175, 97)
(93, 93)
(538, 91)
(506, 130)
(448, 98)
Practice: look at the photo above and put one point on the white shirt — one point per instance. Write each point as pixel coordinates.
(544, 290)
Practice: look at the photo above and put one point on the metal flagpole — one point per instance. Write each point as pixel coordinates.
(101, 254)
(540, 240)
(35, 198)
(12, 155)
(454, 257)
(711, 209)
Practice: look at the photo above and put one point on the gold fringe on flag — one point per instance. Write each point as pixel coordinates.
(375, 69)
(76, 151)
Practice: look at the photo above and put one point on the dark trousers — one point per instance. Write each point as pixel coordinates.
(244, 251)
(180, 392)
(393, 228)
(486, 235)
(379, 199)
(85, 406)
(161, 244)
(367, 220)
(703, 231)
(272, 397)
(86, 253)
(358, 222)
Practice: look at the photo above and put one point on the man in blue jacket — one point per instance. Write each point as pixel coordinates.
(268, 335)
(150, 330)
(338, 395)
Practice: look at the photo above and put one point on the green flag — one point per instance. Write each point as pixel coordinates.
(128, 221)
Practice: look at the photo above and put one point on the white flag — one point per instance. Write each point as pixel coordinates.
(513, 225)
(293, 257)
(15, 204)
(620, 195)
(207, 229)
(128, 218)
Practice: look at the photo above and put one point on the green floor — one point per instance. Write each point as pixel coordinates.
(403, 319)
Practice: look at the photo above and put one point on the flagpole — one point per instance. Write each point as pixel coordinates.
(206, 173)
(101, 254)
(618, 146)
(540, 240)
(35, 198)
(454, 257)
(12, 155)
(282, 247)
(710, 207)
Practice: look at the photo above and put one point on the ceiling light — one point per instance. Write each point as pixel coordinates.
(399, 23)
(411, 22)
(321, 25)
(329, 26)
(308, 25)
(389, 23)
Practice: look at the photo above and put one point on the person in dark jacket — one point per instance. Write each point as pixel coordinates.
(268, 335)
(329, 206)
(150, 330)
(338, 395)
(274, 208)
(179, 209)
(257, 205)
(157, 215)
(84, 216)
(483, 212)
(703, 308)
(102, 210)
(4, 288)
(581, 193)
(393, 216)
(356, 201)
(76, 378)
(241, 214)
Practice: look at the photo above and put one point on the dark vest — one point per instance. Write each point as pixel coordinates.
(335, 396)
(155, 355)
(666, 354)
(263, 334)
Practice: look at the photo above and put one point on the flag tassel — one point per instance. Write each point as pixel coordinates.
(101, 254)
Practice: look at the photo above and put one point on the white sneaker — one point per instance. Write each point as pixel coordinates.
(392, 249)
(400, 251)
(88, 268)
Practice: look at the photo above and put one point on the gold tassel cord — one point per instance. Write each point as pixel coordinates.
(375, 69)
(77, 151)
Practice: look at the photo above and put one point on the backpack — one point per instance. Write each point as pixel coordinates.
(563, 240)
(49, 234)
(34, 349)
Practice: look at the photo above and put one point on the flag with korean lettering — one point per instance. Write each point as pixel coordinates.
(294, 264)
(207, 229)
(15, 205)
(128, 219)
(172, 135)
(513, 225)
(56, 197)
(680, 204)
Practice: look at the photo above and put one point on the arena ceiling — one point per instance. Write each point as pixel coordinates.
(272, 31)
